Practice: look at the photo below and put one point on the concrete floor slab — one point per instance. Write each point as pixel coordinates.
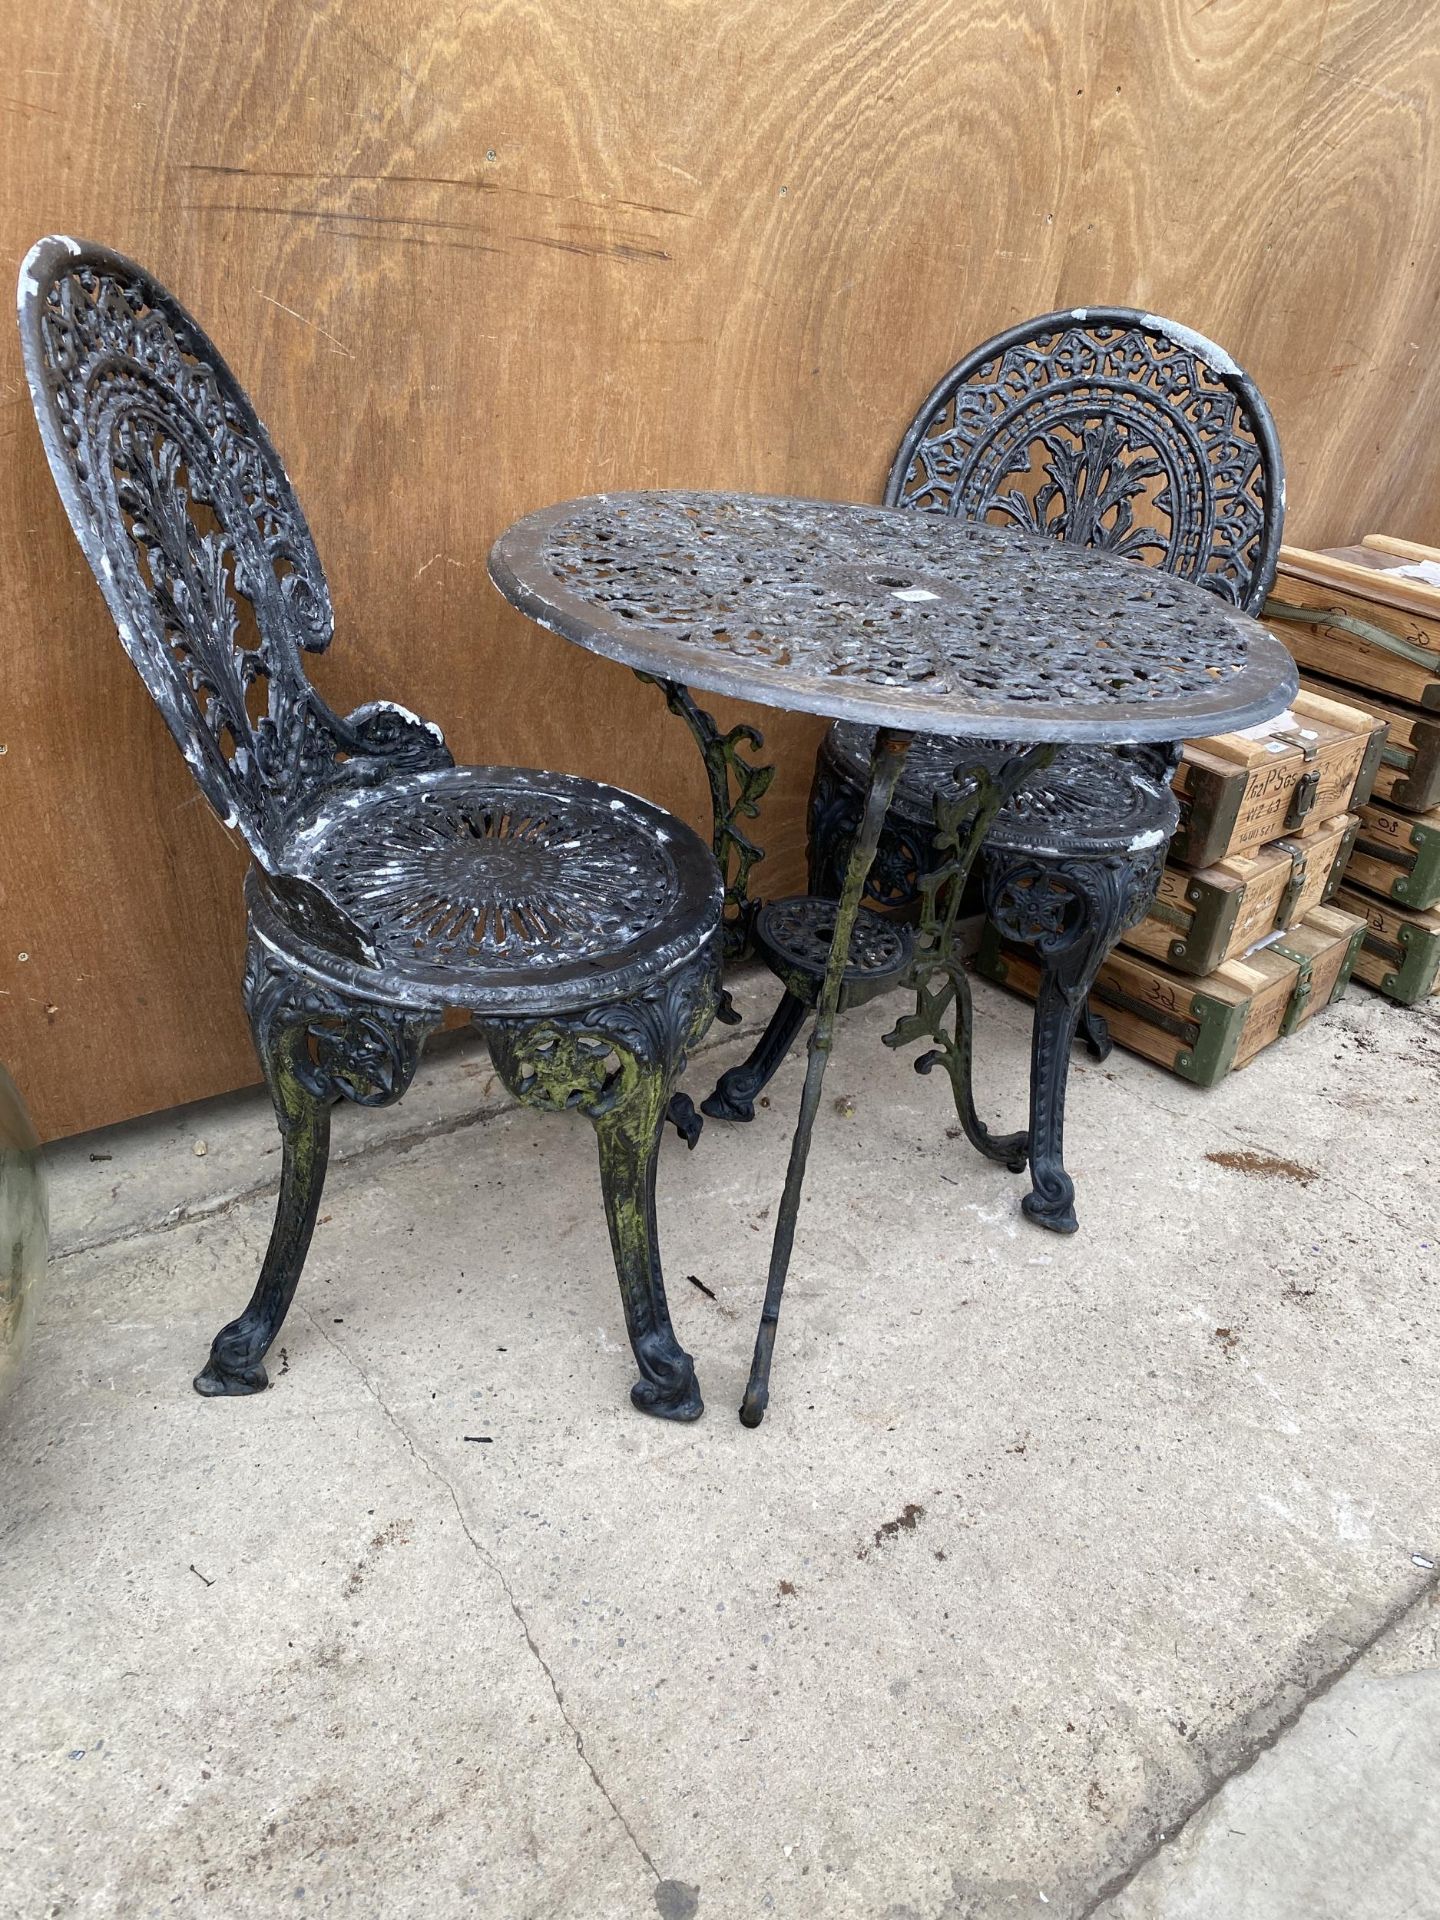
(1337, 1820)
(1042, 1540)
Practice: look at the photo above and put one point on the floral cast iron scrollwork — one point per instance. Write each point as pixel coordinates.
(878, 610)
(1070, 912)
(1111, 429)
(737, 786)
(903, 854)
(964, 809)
(356, 1050)
(203, 553)
(617, 1064)
(389, 886)
(316, 1046)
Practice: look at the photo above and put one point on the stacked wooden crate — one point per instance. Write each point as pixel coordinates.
(1364, 624)
(1241, 947)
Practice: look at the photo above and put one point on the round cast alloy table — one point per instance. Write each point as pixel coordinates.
(908, 622)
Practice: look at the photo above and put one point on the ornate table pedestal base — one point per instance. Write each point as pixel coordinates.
(794, 938)
(1072, 861)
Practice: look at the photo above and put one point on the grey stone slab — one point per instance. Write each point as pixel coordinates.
(1337, 1822)
(260, 1668)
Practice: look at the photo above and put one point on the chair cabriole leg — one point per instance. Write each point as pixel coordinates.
(1071, 911)
(237, 1354)
(618, 1065)
(316, 1046)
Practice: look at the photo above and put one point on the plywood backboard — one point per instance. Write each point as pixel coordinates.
(471, 259)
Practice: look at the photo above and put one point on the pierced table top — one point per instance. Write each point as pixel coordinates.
(893, 617)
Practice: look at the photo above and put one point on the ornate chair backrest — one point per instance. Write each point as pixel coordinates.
(1109, 428)
(191, 527)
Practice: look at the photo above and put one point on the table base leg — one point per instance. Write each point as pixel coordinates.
(886, 761)
(963, 815)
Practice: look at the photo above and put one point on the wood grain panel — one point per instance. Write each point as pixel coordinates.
(473, 258)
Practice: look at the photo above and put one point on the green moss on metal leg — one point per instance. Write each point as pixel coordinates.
(618, 1065)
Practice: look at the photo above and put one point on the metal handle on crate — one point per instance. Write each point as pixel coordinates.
(1307, 791)
(1350, 623)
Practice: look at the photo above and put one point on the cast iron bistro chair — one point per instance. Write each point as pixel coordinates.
(1110, 428)
(578, 925)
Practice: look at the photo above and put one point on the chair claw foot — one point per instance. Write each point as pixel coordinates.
(679, 1400)
(1057, 1214)
(727, 1102)
(215, 1379)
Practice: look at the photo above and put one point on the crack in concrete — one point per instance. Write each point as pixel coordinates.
(419, 1454)
(1397, 1614)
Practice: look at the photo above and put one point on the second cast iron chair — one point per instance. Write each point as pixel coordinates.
(1109, 428)
(578, 926)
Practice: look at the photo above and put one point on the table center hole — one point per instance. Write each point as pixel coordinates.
(901, 586)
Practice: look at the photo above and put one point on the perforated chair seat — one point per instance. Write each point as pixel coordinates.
(1095, 799)
(496, 889)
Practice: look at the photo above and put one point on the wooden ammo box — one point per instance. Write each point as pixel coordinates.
(1238, 790)
(1326, 948)
(1384, 596)
(1202, 919)
(1409, 772)
(1401, 954)
(1203, 1029)
(1397, 855)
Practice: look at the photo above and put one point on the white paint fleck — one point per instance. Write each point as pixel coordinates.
(393, 706)
(1352, 1523)
(1152, 837)
(1214, 357)
(913, 593)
